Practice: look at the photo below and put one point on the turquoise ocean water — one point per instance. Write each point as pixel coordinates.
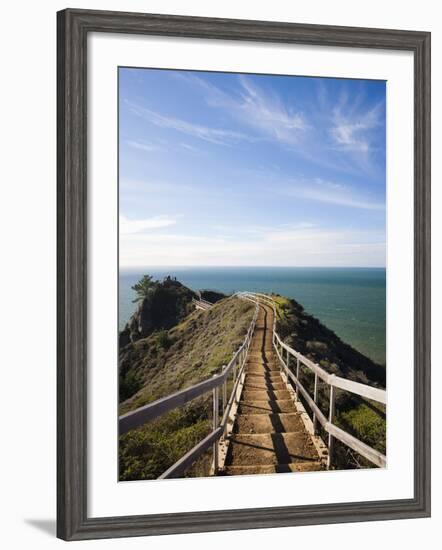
(350, 301)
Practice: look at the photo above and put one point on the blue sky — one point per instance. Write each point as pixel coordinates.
(220, 169)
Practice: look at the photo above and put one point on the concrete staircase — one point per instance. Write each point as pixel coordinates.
(269, 435)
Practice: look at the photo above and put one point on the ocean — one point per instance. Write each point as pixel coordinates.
(350, 301)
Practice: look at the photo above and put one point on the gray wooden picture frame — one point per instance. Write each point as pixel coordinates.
(73, 28)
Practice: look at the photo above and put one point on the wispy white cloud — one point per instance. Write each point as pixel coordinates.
(269, 114)
(238, 209)
(143, 146)
(190, 148)
(213, 135)
(259, 229)
(147, 187)
(255, 108)
(130, 226)
(351, 131)
(334, 135)
(302, 246)
(330, 192)
(149, 147)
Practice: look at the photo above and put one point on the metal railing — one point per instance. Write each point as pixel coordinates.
(235, 370)
(334, 382)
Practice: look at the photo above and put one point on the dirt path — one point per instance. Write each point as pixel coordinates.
(269, 435)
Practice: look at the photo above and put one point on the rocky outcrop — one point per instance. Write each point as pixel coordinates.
(165, 306)
(211, 296)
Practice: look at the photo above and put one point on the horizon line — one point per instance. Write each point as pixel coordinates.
(123, 268)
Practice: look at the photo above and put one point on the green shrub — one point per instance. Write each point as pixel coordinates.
(163, 339)
(144, 287)
(365, 423)
(129, 384)
(149, 451)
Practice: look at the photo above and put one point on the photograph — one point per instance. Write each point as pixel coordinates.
(228, 214)
(252, 274)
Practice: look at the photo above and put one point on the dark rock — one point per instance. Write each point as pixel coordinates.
(211, 296)
(166, 305)
(124, 338)
(318, 347)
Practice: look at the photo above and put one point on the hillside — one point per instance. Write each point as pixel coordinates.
(182, 346)
(193, 350)
(164, 362)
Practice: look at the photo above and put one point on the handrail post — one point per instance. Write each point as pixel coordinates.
(315, 399)
(215, 396)
(224, 392)
(288, 365)
(331, 414)
(297, 377)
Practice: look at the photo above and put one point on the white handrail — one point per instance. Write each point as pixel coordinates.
(202, 304)
(333, 381)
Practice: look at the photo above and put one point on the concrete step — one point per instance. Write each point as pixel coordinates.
(261, 361)
(261, 395)
(258, 357)
(270, 377)
(263, 384)
(267, 376)
(272, 468)
(268, 423)
(262, 366)
(263, 348)
(261, 369)
(257, 347)
(266, 407)
(274, 448)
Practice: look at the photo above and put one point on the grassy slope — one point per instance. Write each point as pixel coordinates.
(196, 348)
(167, 361)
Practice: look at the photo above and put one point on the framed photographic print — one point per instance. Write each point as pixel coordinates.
(243, 274)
